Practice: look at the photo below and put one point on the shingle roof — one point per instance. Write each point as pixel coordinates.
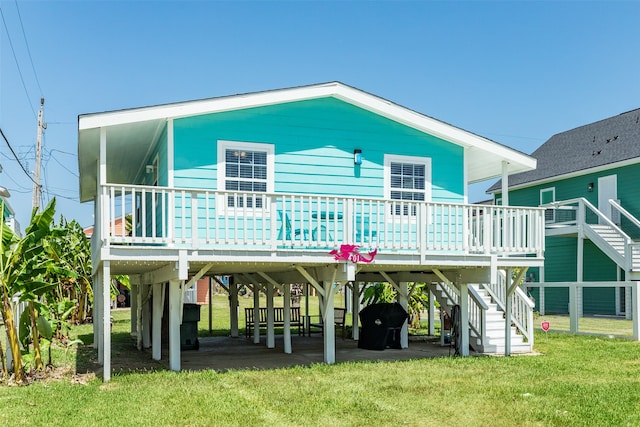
(594, 145)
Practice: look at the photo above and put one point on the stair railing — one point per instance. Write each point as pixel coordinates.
(452, 293)
(477, 309)
(521, 305)
(584, 206)
(632, 249)
(478, 315)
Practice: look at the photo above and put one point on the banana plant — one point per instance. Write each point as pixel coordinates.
(23, 264)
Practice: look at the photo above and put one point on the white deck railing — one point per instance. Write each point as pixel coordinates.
(202, 218)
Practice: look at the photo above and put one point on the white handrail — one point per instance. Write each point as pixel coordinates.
(624, 212)
(199, 218)
(521, 305)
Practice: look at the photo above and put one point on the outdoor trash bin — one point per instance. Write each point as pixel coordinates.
(189, 327)
(381, 326)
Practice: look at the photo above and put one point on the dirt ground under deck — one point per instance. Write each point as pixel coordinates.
(224, 353)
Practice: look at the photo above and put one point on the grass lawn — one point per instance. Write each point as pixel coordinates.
(576, 381)
(603, 325)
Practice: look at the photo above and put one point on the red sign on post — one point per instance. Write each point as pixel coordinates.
(545, 326)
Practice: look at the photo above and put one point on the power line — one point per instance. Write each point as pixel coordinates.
(51, 156)
(28, 50)
(63, 152)
(16, 157)
(15, 58)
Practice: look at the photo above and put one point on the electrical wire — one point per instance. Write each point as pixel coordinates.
(15, 58)
(28, 50)
(51, 156)
(16, 156)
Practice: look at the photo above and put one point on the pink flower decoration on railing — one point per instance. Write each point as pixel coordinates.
(350, 253)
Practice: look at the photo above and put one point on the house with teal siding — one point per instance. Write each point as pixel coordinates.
(587, 181)
(325, 185)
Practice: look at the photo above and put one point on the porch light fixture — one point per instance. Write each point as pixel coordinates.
(357, 156)
(590, 187)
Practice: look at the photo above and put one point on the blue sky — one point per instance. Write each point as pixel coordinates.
(514, 72)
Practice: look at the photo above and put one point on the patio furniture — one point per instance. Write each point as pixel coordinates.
(287, 228)
(278, 319)
(339, 316)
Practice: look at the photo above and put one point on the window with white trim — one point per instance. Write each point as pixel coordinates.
(407, 179)
(548, 195)
(246, 168)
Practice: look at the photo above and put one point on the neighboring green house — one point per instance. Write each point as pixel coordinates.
(326, 185)
(592, 173)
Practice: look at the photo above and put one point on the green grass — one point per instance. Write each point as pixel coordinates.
(577, 381)
(589, 325)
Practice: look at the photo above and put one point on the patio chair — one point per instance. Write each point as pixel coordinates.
(363, 230)
(339, 320)
(287, 228)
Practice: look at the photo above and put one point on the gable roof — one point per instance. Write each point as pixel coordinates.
(580, 150)
(134, 126)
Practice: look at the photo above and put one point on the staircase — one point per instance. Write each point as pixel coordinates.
(494, 326)
(615, 244)
(486, 319)
(605, 234)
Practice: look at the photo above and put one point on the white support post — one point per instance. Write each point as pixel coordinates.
(106, 320)
(508, 277)
(573, 309)
(541, 296)
(287, 318)
(133, 313)
(347, 299)
(355, 310)
(635, 308)
(97, 313)
(146, 317)
(464, 319)
(505, 183)
(579, 273)
(403, 299)
(233, 307)
(256, 313)
(158, 308)
(628, 296)
(175, 312)
(136, 315)
(432, 310)
(271, 339)
(329, 335)
(507, 320)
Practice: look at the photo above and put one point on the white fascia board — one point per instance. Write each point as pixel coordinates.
(192, 108)
(346, 93)
(597, 169)
(432, 126)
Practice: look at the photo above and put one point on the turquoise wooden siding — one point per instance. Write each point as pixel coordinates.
(159, 150)
(314, 142)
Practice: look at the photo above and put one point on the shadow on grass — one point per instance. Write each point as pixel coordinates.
(125, 357)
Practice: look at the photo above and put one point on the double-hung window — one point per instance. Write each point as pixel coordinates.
(407, 180)
(245, 168)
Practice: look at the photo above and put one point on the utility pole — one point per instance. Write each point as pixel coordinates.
(36, 178)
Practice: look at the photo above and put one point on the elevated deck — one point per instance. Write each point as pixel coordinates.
(237, 231)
